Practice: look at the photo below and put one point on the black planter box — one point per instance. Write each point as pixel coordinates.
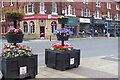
(19, 67)
(62, 20)
(62, 38)
(62, 60)
(14, 38)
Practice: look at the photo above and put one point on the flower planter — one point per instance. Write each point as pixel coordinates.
(61, 37)
(62, 60)
(14, 38)
(19, 67)
(62, 20)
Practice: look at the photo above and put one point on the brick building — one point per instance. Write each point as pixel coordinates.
(41, 17)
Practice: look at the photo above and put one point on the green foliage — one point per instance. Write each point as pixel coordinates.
(14, 14)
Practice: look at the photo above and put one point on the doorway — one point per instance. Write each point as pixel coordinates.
(42, 31)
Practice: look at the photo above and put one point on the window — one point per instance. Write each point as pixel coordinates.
(53, 26)
(25, 27)
(85, 1)
(69, 10)
(109, 16)
(11, 3)
(86, 12)
(117, 17)
(2, 4)
(42, 8)
(97, 14)
(97, 3)
(117, 7)
(2, 18)
(32, 27)
(54, 8)
(108, 5)
(29, 8)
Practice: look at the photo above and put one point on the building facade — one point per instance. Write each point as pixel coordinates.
(41, 17)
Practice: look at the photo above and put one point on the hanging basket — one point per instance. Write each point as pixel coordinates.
(62, 38)
(13, 16)
(62, 20)
(14, 38)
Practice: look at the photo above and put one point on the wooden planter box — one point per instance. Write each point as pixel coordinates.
(62, 20)
(19, 67)
(62, 60)
(62, 38)
(14, 38)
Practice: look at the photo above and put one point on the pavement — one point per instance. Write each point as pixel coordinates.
(82, 38)
(92, 67)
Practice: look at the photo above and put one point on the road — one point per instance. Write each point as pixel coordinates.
(89, 47)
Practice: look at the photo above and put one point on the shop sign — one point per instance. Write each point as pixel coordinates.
(40, 17)
(84, 20)
(99, 21)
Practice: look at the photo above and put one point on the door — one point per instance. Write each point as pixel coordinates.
(42, 31)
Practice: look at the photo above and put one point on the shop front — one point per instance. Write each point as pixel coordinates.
(73, 25)
(40, 26)
(112, 27)
(84, 24)
(99, 27)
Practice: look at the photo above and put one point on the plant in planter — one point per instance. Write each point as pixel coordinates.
(18, 61)
(61, 48)
(62, 57)
(63, 34)
(62, 20)
(14, 35)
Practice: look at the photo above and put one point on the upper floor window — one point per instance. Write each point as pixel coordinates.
(69, 10)
(97, 3)
(109, 16)
(117, 7)
(86, 12)
(54, 8)
(85, 1)
(42, 8)
(108, 5)
(2, 18)
(2, 3)
(29, 8)
(117, 17)
(97, 14)
(11, 3)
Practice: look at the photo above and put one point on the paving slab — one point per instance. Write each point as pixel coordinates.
(93, 67)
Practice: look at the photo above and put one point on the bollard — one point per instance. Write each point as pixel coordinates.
(50, 38)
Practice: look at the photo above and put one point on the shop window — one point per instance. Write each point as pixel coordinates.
(42, 8)
(53, 26)
(32, 27)
(54, 8)
(25, 27)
